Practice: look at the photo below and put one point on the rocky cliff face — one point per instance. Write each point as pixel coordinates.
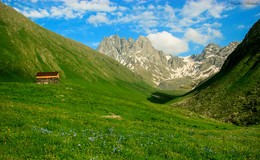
(163, 70)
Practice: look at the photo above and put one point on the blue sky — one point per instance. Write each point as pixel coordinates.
(177, 27)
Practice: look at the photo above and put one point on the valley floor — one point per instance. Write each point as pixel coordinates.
(74, 122)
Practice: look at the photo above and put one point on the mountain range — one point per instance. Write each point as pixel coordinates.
(164, 70)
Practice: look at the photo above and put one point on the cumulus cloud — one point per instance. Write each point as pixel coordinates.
(168, 43)
(97, 19)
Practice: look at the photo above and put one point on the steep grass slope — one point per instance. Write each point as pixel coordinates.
(233, 95)
(26, 48)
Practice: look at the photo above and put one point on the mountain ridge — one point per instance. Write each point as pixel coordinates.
(163, 70)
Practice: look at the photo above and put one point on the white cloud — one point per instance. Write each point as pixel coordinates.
(168, 43)
(216, 11)
(241, 26)
(97, 19)
(70, 9)
(203, 38)
(195, 13)
(141, 2)
(195, 36)
(67, 13)
(147, 20)
(34, 13)
(138, 16)
(57, 12)
(169, 12)
(144, 21)
(214, 34)
(193, 9)
(92, 5)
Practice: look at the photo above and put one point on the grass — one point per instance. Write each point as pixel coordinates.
(72, 122)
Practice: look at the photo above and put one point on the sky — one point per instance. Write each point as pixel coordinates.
(177, 27)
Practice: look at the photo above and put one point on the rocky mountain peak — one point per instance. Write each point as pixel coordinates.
(131, 42)
(207, 52)
(143, 43)
(228, 49)
(160, 69)
(211, 49)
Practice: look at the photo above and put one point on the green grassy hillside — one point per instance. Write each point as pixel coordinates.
(233, 94)
(27, 48)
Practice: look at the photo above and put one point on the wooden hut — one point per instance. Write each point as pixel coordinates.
(47, 77)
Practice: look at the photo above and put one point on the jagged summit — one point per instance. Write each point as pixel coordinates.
(161, 69)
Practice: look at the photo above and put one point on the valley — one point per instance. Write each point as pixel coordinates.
(102, 110)
(70, 122)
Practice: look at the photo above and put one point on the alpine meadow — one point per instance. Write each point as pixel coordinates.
(102, 110)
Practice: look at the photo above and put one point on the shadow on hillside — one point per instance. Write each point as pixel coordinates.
(161, 98)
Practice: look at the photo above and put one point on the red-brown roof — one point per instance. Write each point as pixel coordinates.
(47, 74)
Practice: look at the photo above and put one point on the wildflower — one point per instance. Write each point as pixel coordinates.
(110, 130)
(91, 139)
(44, 130)
(114, 149)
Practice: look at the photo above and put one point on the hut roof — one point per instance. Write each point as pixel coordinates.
(39, 74)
